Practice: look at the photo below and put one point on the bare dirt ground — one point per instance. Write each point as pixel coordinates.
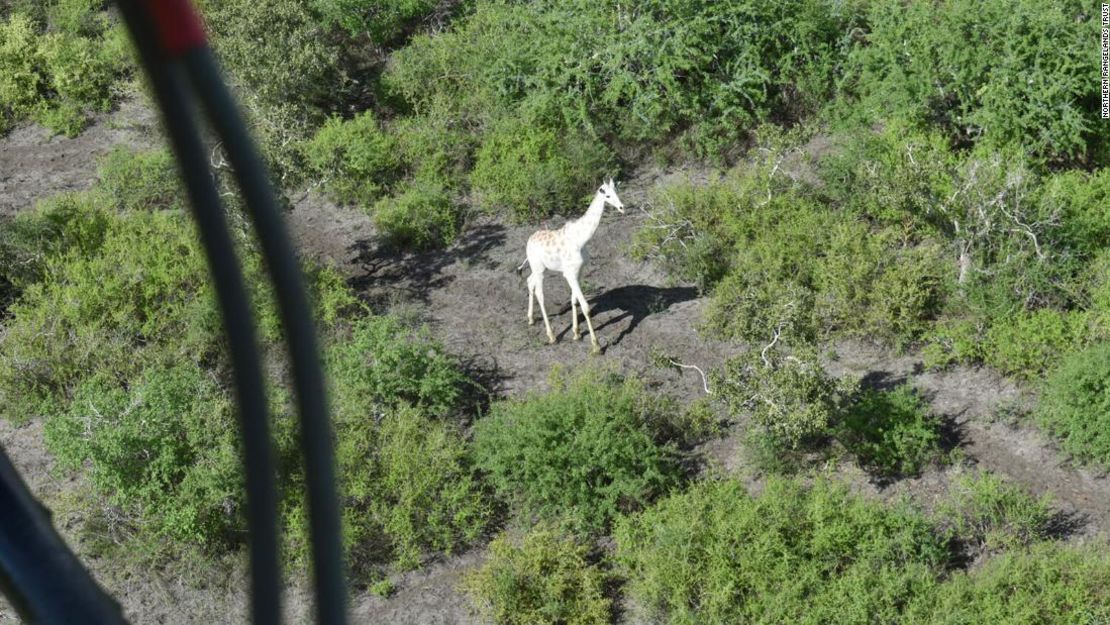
(473, 300)
(36, 164)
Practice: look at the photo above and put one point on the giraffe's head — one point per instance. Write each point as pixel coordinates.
(608, 190)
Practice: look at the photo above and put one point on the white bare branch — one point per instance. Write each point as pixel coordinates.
(704, 378)
(763, 354)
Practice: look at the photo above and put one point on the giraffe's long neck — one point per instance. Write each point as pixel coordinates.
(580, 230)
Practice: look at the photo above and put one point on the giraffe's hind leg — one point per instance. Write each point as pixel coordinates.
(531, 295)
(538, 289)
(574, 316)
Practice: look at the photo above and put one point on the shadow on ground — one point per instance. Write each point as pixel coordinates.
(414, 276)
(634, 302)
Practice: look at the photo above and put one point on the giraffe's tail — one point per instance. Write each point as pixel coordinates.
(521, 267)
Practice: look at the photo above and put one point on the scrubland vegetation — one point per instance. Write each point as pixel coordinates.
(925, 175)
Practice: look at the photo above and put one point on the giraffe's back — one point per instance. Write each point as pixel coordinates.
(545, 250)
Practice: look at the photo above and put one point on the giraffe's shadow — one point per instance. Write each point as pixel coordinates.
(634, 302)
(385, 267)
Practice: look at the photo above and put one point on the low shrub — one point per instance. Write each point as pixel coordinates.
(991, 515)
(1027, 345)
(1077, 197)
(142, 294)
(585, 450)
(378, 363)
(64, 222)
(685, 234)
(953, 341)
(358, 161)
(140, 181)
(995, 73)
(162, 447)
(715, 554)
(435, 147)
(403, 470)
(58, 76)
(382, 20)
(890, 432)
(407, 490)
(643, 74)
(794, 403)
(421, 215)
(1048, 583)
(288, 69)
(1075, 404)
(115, 340)
(773, 253)
(546, 578)
(535, 171)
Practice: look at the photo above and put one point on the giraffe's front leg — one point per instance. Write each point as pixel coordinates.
(576, 293)
(574, 317)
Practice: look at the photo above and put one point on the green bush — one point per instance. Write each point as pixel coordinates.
(1078, 199)
(163, 447)
(890, 432)
(21, 79)
(870, 284)
(998, 242)
(144, 293)
(115, 339)
(421, 215)
(548, 578)
(58, 77)
(288, 69)
(140, 181)
(686, 235)
(378, 362)
(382, 20)
(775, 254)
(534, 171)
(1028, 345)
(897, 176)
(406, 486)
(81, 17)
(1049, 583)
(794, 554)
(403, 472)
(1075, 404)
(435, 147)
(358, 161)
(63, 223)
(996, 72)
(953, 341)
(584, 450)
(793, 402)
(640, 73)
(989, 514)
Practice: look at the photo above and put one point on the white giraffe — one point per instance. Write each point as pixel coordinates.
(561, 250)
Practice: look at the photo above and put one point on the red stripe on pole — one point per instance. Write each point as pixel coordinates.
(179, 26)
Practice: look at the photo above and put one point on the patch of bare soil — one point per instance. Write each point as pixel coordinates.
(35, 164)
(429, 596)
